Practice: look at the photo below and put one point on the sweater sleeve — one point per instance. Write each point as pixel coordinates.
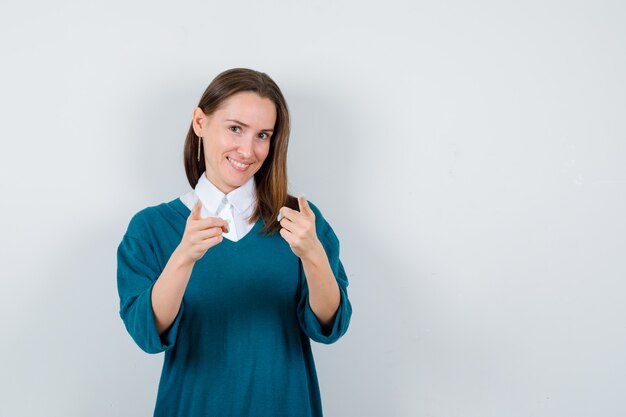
(137, 272)
(308, 321)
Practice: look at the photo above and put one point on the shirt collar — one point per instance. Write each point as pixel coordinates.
(212, 198)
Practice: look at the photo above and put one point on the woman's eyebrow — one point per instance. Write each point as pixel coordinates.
(245, 125)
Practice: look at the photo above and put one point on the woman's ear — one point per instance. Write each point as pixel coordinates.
(199, 121)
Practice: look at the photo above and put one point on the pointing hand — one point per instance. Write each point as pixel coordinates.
(200, 234)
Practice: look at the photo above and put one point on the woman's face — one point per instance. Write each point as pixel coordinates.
(236, 138)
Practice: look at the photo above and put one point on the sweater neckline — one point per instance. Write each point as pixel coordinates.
(182, 209)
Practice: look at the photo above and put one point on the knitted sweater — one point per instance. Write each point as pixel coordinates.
(240, 343)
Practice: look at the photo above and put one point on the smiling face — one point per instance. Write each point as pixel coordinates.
(236, 138)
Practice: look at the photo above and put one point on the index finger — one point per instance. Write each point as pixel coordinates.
(195, 212)
(215, 222)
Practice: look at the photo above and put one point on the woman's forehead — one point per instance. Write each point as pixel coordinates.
(251, 109)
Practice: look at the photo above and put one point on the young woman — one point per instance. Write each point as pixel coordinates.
(234, 278)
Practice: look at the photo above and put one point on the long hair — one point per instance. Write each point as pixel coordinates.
(271, 178)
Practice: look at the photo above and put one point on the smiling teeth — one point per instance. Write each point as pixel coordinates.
(240, 165)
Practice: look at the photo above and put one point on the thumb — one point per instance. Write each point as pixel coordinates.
(226, 226)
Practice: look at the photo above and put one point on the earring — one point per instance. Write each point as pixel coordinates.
(199, 143)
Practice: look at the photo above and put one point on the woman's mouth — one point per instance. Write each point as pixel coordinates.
(238, 165)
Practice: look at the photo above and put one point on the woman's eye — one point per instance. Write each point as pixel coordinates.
(234, 127)
(266, 135)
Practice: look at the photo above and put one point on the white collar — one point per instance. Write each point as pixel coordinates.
(212, 198)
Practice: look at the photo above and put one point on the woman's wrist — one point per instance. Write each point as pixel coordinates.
(316, 256)
(180, 260)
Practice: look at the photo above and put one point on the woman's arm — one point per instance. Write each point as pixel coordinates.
(168, 290)
(167, 293)
(324, 297)
(299, 229)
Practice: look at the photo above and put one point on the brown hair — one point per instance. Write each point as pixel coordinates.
(271, 178)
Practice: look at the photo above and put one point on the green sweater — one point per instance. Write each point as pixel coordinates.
(240, 343)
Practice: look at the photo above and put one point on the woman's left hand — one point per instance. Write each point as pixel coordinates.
(298, 228)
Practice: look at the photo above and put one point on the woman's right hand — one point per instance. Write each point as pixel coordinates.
(200, 234)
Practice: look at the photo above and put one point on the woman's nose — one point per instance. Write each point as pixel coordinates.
(245, 147)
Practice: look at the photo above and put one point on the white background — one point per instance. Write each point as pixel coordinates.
(469, 155)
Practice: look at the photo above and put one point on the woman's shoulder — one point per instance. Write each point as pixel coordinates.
(140, 220)
(325, 232)
(316, 210)
(150, 217)
(321, 222)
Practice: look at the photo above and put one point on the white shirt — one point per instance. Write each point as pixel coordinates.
(235, 206)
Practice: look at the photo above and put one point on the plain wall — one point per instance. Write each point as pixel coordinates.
(469, 155)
